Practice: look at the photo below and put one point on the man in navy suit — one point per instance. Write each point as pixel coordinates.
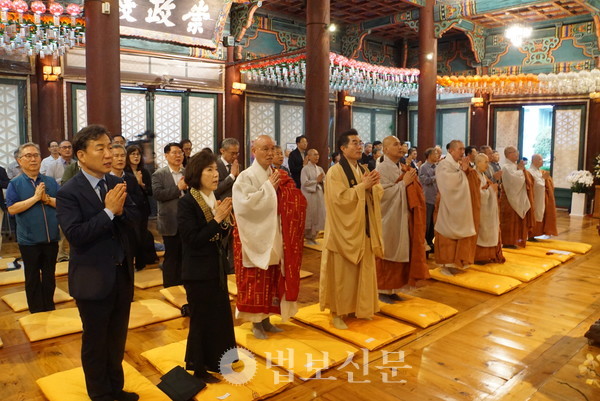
(99, 220)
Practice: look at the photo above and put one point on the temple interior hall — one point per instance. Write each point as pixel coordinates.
(508, 74)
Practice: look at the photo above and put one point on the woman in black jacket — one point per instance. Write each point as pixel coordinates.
(204, 225)
(134, 164)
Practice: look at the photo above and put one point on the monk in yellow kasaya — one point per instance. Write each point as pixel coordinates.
(353, 237)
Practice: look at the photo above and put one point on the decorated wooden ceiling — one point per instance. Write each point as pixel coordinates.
(397, 19)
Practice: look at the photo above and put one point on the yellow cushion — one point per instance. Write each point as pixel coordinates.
(60, 322)
(475, 280)
(4, 263)
(308, 347)
(370, 334)
(1, 343)
(575, 247)
(70, 385)
(531, 250)
(18, 300)
(148, 278)
(418, 311)
(231, 285)
(520, 272)
(305, 274)
(531, 261)
(175, 295)
(261, 385)
(150, 311)
(17, 276)
(317, 247)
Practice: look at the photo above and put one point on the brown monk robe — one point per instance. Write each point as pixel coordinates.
(516, 201)
(417, 226)
(545, 204)
(403, 224)
(457, 209)
(489, 240)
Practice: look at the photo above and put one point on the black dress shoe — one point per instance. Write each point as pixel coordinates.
(185, 310)
(126, 396)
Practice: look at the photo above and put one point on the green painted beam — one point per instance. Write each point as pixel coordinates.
(595, 4)
(418, 3)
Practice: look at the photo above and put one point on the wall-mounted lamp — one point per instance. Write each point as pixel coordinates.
(331, 27)
(477, 102)
(51, 73)
(348, 100)
(595, 97)
(238, 88)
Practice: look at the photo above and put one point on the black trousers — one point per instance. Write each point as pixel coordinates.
(172, 262)
(105, 324)
(145, 252)
(40, 265)
(211, 325)
(430, 232)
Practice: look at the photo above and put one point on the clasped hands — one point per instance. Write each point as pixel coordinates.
(115, 199)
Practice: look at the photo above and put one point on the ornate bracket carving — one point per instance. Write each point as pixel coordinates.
(352, 40)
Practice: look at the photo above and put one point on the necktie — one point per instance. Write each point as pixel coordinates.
(102, 188)
(229, 168)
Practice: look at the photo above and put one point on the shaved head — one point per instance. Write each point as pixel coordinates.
(537, 160)
(311, 152)
(456, 149)
(389, 140)
(511, 153)
(263, 149)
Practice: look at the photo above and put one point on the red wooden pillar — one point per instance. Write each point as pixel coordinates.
(593, 137)
(343, 116)
(317, 77)
(103, 72)
(234, 105)
(48, 99)
(427, 78)
(479, 123)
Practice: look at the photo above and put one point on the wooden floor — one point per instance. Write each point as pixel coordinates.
(524, 345)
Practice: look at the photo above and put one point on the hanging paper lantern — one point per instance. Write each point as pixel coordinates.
(56, 10)
(5, 5)
(73, 10)
(20, 6)
(38, 8)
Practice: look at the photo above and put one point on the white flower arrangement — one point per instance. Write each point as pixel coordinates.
(580, 180)
(597, 167)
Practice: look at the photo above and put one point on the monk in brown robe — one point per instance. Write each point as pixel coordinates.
(489, 240)
(544, 202)
(516, 201)
(403, 224)
(457, 211)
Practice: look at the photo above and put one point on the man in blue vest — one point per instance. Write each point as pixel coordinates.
(31, 197)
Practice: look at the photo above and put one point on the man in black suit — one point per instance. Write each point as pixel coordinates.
(99, 220)
(297, 159)
(228, 166)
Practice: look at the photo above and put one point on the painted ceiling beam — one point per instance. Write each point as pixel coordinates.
(418, 3)
(470, 8)
(593, 4)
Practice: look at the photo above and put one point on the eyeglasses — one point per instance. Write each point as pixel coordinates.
(266, 150)
(174, 153)
(30, 156)
(66, 147)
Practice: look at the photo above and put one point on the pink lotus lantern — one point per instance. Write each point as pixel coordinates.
(56, 10)
(38, 8)
(73, 10)
(5, 5)
(20, 6)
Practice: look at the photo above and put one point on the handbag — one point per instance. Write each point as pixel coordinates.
(179, 385)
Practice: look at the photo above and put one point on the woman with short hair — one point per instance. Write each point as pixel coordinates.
(204, 225)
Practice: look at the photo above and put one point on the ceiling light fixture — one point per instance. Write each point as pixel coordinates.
(517, 33)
